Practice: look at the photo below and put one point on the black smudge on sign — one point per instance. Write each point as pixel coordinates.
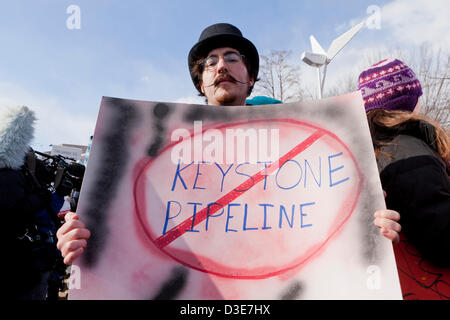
(172, 287)
(114, 154)
(160, 113)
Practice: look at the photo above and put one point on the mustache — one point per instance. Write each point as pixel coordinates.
(224, 77)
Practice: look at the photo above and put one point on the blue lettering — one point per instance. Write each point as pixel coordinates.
(193, 217)
(265, 171)
(223, 174)
(168, 217)
(198, 174)
(304, 215)
(301, 174)
(332, 184)
(229, 216)
(320, 172)
(283, 212)
(243, 174)
(177, 174)
(211, 215)
(245, 220)
(265, 205)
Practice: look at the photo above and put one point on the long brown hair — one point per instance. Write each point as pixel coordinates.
(385, 125)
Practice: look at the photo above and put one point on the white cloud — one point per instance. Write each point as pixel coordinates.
(344, 27)
(418, 21)
(159, 83)
(61, 121)
(408, 22)
(55, 124)
(406, 25)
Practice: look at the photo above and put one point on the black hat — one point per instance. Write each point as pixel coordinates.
(218, 36)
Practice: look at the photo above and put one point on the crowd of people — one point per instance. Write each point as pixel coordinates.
(412, 152)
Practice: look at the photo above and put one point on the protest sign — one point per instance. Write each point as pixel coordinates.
(250, 202)
(69, 152)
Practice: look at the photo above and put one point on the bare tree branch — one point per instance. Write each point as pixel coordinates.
(279, 78)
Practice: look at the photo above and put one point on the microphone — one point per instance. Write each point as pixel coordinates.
(16, 134)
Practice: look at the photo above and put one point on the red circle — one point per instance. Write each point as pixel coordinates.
(192, 261)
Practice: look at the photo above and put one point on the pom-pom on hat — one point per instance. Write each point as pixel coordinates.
(391, 85)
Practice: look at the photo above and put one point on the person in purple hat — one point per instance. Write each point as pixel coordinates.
(413, 155)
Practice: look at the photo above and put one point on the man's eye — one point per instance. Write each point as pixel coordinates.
(210, 62)
(232, 57)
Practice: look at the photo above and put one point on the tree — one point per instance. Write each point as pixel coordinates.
(279, 78)
(433, 70)
(347, 83)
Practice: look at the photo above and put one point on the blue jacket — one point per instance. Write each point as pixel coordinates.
(260, 100)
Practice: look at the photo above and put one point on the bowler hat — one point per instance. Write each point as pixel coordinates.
(222, 35)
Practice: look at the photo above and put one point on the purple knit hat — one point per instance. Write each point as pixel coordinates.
(391, 85)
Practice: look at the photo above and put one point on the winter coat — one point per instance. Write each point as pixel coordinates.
(417, 185)
(20, 201)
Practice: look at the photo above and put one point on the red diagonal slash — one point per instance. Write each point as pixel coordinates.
(181, 228)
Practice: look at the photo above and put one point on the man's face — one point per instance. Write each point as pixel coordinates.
(225, 80)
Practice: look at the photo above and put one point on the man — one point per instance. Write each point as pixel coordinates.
(224, 68)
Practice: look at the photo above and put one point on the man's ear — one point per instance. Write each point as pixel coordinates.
(202, 87)
(251, 81)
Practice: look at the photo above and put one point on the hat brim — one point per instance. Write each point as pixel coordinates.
(243, 45)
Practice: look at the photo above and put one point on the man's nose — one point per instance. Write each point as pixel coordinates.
(222, 66)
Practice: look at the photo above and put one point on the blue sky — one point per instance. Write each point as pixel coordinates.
(138, 49)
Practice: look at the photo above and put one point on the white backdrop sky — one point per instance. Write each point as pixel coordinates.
(138, 49)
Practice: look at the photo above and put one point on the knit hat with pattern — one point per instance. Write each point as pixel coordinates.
(391, 85)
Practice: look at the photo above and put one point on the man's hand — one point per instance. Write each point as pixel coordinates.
(386, 220)
(72, 238)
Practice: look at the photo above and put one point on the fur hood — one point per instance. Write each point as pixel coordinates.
(16, 134)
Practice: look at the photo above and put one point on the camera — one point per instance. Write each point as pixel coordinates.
(60, 174)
